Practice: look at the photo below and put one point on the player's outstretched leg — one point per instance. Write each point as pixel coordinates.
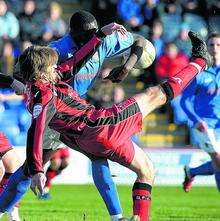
(203, 170)
(199, 61)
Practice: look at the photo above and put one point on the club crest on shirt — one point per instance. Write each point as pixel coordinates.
(37, 110)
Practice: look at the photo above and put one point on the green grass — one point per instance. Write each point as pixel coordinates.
(76, 203)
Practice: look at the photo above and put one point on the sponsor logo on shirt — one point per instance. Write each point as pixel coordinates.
(37, 110)
(178, 80)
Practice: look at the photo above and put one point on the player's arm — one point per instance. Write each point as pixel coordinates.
(120, 73)
(72, 65)
(42, 112)
(9, 82)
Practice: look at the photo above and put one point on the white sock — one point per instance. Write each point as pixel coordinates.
(14, 215)
(116, 217)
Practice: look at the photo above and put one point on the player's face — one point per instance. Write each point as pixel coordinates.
(54, 76)
(214, 47)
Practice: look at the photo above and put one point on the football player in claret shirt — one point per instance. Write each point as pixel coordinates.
(94, 49)
(108, 131)
(83, 27)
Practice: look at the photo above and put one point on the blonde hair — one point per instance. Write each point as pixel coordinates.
(36, 60)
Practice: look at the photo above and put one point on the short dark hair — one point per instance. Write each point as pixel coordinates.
(213, 35)
(82, 21)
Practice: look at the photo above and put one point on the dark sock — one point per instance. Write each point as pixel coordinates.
(141, 193)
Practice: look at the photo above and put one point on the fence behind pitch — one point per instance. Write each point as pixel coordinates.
(168, 163)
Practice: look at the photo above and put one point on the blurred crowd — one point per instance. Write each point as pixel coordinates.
(23, 23)
(164, 22)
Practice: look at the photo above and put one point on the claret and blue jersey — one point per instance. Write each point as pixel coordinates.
(112, 45)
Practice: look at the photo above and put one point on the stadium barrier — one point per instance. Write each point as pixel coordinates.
(169, 165)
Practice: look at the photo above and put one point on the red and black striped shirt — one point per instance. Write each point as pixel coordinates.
(57, 106)
(60, 108)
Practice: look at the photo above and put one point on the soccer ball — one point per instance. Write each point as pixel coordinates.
(145, 61)
(147, 57)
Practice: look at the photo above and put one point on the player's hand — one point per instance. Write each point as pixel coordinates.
(202, 126)
(37, 183)
(117, 74)
(112, 27)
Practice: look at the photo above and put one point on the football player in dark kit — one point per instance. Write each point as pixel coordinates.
(104, 132)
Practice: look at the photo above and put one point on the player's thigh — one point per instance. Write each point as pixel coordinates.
(11, 161)
(208, 141)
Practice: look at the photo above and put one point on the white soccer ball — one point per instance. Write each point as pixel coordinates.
(148, 56)
(145, 61)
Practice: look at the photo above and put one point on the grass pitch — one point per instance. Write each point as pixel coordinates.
(82, 203)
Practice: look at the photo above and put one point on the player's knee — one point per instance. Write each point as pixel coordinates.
(64, 163)
(55, 164)
(11, 161)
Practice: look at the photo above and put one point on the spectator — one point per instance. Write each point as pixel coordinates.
(170, 62)
(183, 42)
(31, 23)
(196, 7)
(171, 19)
(15, 6)
(130, 12)
(193, 11)
(55, 27)
(213, 7)
(7, 58)
(156, 37)
(8, 23)
(105, 11)
(150, 12)
(168, 65)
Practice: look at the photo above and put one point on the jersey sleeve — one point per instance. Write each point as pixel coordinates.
(42, 112)
(117, 43)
